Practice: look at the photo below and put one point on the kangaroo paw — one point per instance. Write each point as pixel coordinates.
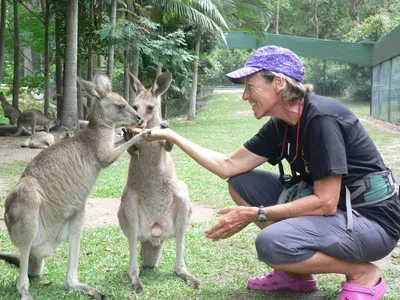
(127, 134)
(165, 124)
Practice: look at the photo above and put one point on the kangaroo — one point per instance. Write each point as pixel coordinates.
(155, 205)
(10, 111)
(32, 118)
(43, 140)
(47, 206)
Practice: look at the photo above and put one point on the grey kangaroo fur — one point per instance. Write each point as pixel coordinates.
(32, 118)
(155, 205)
(43, 140)
(10, 111)
(47, 206)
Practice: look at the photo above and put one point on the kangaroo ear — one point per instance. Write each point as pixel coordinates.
(135, 83)
(103, 82)
(91, 88)
(161, 84)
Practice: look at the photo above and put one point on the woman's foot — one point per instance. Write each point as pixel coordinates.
(278, 280)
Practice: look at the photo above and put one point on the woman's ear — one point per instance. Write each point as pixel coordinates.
(278, 83)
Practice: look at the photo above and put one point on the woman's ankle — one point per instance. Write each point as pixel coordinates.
(368, 276)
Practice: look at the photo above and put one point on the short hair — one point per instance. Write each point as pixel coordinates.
(293, 90)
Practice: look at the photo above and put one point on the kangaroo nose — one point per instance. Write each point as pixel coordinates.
(139, 119)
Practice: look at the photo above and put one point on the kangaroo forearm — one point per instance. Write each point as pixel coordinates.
(116, 152)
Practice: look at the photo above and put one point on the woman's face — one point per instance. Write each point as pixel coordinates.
(261, 95)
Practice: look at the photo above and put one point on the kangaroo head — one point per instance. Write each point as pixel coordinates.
(114, 108)
(69, 133)
(147, 103)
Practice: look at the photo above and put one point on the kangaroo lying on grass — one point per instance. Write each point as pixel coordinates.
(155, 205)
(47, 206)
(10, 111)
(32, 118)
(43, 140)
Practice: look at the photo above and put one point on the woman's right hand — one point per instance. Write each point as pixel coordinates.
(157, 133)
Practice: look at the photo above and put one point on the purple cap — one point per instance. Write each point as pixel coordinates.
(271, 58)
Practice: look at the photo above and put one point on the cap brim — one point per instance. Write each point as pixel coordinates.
(238, 75)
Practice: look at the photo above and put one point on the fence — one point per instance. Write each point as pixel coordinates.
(385, 94)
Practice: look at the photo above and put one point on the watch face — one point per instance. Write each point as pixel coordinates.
(262, 218)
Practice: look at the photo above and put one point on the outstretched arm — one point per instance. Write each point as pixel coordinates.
(222, 165)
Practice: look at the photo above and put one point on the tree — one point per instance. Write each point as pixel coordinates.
(69, 116)
(110, 63)
(2, 38)
(46, 17)
(16, 79)
(354, 8)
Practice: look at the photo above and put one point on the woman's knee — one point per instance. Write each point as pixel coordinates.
(282, 244)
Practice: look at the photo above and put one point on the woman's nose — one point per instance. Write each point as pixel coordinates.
(245, 95)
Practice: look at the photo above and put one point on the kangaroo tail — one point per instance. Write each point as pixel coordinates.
(18, 131)
(10, 258)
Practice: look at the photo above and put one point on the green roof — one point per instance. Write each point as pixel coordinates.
(353, 53)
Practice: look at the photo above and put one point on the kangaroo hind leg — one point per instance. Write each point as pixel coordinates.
(183, 214)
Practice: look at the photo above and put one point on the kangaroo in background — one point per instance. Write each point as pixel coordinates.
(43, 140)
(10, 111)
(47, 206)
(32, 118)
(155, 205)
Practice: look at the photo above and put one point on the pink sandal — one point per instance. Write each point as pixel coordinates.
(351, 291)
(278, 280)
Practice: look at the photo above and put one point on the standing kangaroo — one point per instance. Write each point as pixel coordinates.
(32, 118)
(43, 140)
(47, 206)
(10, 111)
(155, 205)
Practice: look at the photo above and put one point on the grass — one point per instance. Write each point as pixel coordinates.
(223, 267)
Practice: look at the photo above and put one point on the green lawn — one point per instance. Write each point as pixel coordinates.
(224, 266)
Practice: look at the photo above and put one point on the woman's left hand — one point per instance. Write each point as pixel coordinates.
(236, 218)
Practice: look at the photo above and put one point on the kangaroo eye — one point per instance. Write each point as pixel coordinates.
(135, 107)
(149, 108)
(121, 106)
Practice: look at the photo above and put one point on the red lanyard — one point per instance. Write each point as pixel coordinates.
(297, 135)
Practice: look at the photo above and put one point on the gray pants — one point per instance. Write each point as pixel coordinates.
(297, 239)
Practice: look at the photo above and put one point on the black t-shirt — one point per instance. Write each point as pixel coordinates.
(331, 141)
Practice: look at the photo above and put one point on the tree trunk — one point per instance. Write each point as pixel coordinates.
(330, 20)
(16, 78)
(113, 18)
(126, 77)
(59, 71)
(2, 38)
(28, 67)
(277, 17)
(354, 8)
(316, 21)
(192, 106)
(69, 116)
(89, 101)
(134, 68)
(79, 102)
(46, 13)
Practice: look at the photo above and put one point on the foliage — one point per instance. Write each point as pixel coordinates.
(220, 62)
(328, 82)
(371, 29)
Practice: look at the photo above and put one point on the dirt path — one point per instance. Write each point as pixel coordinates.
(100, 211)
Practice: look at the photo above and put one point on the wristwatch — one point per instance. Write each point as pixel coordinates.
(261, 217)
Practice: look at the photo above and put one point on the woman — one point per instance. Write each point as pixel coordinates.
(352, 214)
